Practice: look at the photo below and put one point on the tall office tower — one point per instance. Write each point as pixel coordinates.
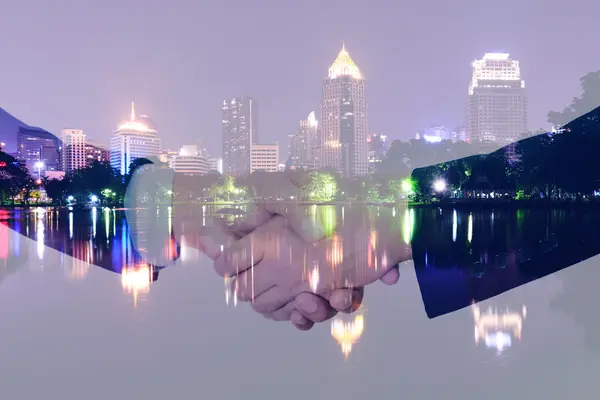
(264, 157)
(239, 128)
(38, 149)
(302, 143)
(73, 152)
(497, 107)
(95, 151)
(133, 139)
(343, 126)
(377, 147)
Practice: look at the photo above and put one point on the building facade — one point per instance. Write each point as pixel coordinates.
(342, 143)
(302, 144)
(497, 106)
(96, 152)
(133, 139)
(264, 157)
(39, 150)
(73, 151)
(240, 132)
(377, 147)
(190, 161)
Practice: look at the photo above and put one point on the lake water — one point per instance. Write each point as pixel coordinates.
(459, 256)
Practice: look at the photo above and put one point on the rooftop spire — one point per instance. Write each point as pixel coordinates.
(132, 111)
(344, 66)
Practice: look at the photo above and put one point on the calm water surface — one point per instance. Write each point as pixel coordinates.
(460, 256)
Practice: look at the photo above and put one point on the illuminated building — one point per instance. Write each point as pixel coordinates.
(377, 148)
(302, 143)
(35, 145)
(434, 134)
(348, 332)
(497, 106)
(73, 150)
(190, 161)
(264, 157)
(133, 139)
(3, 147)
(495, 329)
(216, 164)
(342, 139)
(239, 129)
(166, 155)
(96, 152)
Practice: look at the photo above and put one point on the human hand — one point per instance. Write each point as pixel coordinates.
(274, 264)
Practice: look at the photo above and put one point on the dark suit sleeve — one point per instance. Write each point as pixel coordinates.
(465, 253)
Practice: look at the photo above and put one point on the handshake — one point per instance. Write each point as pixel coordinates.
(293, 261)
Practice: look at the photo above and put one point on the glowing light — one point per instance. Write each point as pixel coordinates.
(439, 185)
(470, 228)
(344, 66)
(432, 139)
(70, 225)
(312, 120)
(492, 327)
(407, 186)
(454, 225)
(347, 333)
(496, 56)
(70, 198)
(313, 278)
(94, 198)
(40, 239)
(136, 280)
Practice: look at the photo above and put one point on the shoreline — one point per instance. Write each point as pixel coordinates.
(475, 203)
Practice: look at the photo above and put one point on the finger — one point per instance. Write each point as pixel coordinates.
(313, 307)
(347, 300)
(250, 249)
(300, 321)
(284, 313)
(391, 276)
(253, 282)
(272, 300)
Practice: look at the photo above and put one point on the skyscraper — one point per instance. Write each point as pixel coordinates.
(497, 107)
(239, 129)
(38, 149)
(73, 151)
(133, 139)
(302, 143)
(377, 148)
(96, 152)
(342, 143)
(264, 157)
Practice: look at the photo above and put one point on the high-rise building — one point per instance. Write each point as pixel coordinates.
(342, 143)
(190, 161)
(377, 146)
(73, 152)
(497, 107)
(239, 129)
(38, 149)
(96, 152)
(302, 143)
(133, 139)
(264, 157)
(216, 164)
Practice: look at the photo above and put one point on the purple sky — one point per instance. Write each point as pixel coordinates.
(79, 64)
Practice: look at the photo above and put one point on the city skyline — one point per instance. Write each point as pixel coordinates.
(415, 76)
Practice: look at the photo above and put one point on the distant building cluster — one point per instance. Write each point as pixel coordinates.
(337, 138)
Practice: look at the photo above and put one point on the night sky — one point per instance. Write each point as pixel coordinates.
(79, 64)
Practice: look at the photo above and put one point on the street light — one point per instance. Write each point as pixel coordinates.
(439, 185)
(39, 165)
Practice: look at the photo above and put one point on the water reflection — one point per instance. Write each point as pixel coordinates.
(497, 329)
(348, 330)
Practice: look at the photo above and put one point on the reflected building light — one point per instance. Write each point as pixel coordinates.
(313, 277)
(71, 225)
(495, 329)
(408, 225)
(454, 225)
(40, 238)
(107, 222)
(136, 280)
(229, 296)
(470, 228)
(94, 221)
(348, 332)
(335, 253)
